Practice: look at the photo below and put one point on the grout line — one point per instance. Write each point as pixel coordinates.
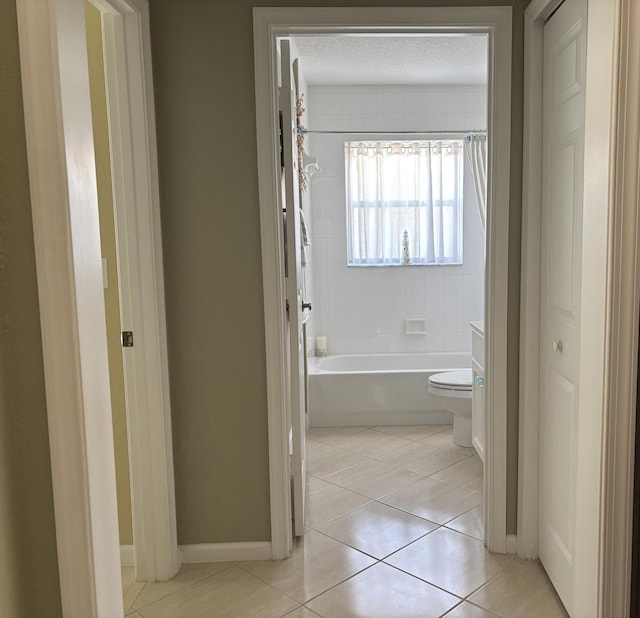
(188, 586)
(362, 551)
(426, 582)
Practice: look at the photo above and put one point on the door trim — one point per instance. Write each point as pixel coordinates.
(53, 58)
(271, 23)
(129, 88)
(611, 267)
(624, 307)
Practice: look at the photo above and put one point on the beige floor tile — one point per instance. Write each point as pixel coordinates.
(383, 592)
(412, 432)
(422, 458)
(324, 459)
(467, 610)
(450, 560)
(470, 523)
(521, 591)
(444, 440)
(131, 594)
(128, 576)
(317, 564)
(230, 594)
(434, 500)
(468, 473)
(368, 442)
(377, 529)
(373, 478)
(301, 612)
(130, 588)
(188, 575)
(325, 501)
(334, 436)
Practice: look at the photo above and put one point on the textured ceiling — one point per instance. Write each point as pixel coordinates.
(372, 60)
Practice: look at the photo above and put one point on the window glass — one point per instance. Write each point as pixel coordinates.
(404, 202)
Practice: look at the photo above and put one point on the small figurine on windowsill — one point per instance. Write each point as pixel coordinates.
(406, 258)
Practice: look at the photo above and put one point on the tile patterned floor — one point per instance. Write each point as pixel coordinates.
(394, 528)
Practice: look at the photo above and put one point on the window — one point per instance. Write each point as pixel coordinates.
(404, 202)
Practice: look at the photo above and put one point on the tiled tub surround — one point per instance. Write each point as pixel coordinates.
(363, 310)
(394, 529)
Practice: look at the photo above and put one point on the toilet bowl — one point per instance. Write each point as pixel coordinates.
(452, 390)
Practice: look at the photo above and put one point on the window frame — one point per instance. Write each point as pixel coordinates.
(457, 202)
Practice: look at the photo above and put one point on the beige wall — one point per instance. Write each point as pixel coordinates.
(108, 245)
(204, 81)
(28, 558)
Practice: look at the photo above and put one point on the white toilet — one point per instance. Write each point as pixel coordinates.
(452, 390)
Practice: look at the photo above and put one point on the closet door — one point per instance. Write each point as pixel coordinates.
(560, 290)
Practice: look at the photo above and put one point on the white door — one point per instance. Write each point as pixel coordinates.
(290, 194)
(560, 290)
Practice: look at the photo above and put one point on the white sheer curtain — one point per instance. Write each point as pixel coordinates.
(393, 187)
(475, 145)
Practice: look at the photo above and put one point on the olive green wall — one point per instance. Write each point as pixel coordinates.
(204, 84)
(108, 246)
(29, 584)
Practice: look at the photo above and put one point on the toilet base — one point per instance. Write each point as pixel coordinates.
(462, 430)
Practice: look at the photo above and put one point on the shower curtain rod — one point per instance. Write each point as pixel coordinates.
(306, 131)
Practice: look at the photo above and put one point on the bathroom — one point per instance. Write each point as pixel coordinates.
(385, 329)
(398, 309)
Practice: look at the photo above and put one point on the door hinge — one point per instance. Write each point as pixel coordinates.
(287, 307)
(281, 140)
(127, 339)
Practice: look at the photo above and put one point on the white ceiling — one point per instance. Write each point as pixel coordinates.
(399, 60)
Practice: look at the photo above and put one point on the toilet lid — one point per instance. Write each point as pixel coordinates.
(453, 380)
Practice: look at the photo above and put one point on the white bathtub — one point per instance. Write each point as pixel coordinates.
(378, 389)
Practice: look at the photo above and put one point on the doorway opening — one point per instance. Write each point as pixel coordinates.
(397, 115)
(299, 22)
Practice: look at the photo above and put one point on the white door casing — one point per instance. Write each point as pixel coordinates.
(290, 200)
(53, 58)
(560, 289)
(271, 24)
(129, 88)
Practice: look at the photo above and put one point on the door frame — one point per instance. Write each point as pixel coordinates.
(273, 23)
(611, 302)
(58, 128)
(129, 89)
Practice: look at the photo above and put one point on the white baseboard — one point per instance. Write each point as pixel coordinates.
(225, 552)
(512, 544)
(127, 556)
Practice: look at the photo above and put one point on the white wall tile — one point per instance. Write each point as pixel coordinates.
(414, 103)
(392, 121)
(474, 244)
(363, 310)
(413, 122)
(333, 103)
(454, 284)
(453, 303)
(393, 103)
(377, 345)
(435, 343)
(434, 303)
(473, 303)
(473, 284)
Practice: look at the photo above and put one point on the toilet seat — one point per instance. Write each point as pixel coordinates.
(456, 381)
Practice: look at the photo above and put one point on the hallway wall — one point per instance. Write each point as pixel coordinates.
(205, 104)
(29, 585)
